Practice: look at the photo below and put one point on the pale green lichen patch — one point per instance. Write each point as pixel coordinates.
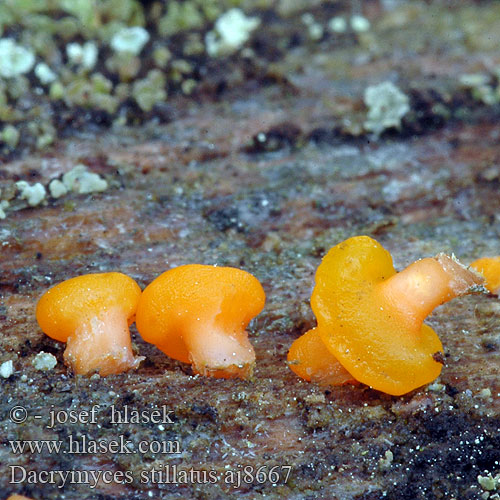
(436, 387)
(84, 55)
(230, 33)
(22, 194)
(337, 24)
(6, 369)
(33, 194)
(130, 40)
(95, 93)
(359, 23)
(57, 189)
(52, 50)
(81, 181)
(485, 393)
(125, 64)
(482, 87)
(4, 204)
(386, 462)
(44, 73)
(386, 107)
(44, 361)
(14, 59)
(179, 17)
(150, 90)
(314, 29)
(10, 136)
(489, 482)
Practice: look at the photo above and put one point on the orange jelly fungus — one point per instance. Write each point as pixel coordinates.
(309, 358)
(198, 314)
(18, 497)
(370, 318)
(489, 267)
(92, 314)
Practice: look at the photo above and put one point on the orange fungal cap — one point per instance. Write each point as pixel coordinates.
(489, 267)
(18, 497)
(92, 314)
(371, 318)
(309, 358)
(198, 314)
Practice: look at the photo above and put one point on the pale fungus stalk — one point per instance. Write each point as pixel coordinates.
(212, 351)
(426, 284)
(101, 344)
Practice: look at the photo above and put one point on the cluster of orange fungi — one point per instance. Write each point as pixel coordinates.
(370, 318)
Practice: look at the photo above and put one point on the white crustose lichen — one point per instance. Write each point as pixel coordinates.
(386, 107)
(33, 194)
(44, 361)
(231, 31)
(81, 181)
(6, 369)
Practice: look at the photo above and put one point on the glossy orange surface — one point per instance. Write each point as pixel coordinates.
(489, 267)
(198, 314)
(309, 358)
(370, 318)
